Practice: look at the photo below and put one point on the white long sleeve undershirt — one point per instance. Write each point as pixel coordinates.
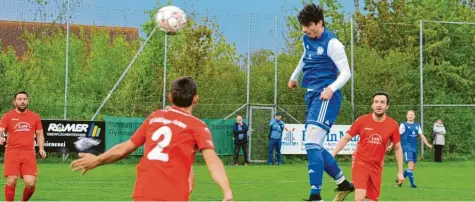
(336, 52)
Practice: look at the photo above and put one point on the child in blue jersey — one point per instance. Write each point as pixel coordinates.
(324, 56)
(409, 132)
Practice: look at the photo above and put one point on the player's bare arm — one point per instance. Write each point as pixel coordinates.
(2, 139)
(390, 146)
(88, 161)
(216, 168)
(191, 179)
(398, 153)
(341, 144)
(40, 139)
(424, 139)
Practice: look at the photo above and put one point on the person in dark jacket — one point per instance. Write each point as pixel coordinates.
(240, 140)
(276, 127)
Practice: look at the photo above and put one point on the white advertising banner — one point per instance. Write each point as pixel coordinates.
(294, 136)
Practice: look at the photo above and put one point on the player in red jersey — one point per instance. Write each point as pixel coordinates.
(171, 138)
(21, 126)
(376, 130)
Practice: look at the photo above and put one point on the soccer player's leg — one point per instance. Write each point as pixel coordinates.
(331, 166)
(407, 157)
(314, 145)
(411, 165)
(28, 171)
(373, 188)
(319, 120)
(361, 178)
(11, 169)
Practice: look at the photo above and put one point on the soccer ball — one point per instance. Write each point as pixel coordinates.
(171, 19)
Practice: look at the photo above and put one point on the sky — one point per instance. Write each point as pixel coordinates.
(232, 16)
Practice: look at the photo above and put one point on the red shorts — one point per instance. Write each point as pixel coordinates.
(20, 163)
(367, 179)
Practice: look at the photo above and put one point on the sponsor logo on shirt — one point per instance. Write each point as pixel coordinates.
(22, 127)
(375, 139)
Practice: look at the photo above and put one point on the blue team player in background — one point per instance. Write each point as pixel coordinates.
(410, 131)
(324, 56)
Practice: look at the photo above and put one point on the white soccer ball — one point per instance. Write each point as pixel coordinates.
(170, 19)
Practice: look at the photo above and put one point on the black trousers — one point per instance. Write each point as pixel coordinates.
(237, 148)
(438, 153)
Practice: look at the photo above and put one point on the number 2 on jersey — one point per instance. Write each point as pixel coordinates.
(157, 151)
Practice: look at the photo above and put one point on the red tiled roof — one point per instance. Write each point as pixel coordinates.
(11, 32)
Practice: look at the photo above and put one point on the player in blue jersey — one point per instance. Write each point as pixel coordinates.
(324, 56)
(410, 131)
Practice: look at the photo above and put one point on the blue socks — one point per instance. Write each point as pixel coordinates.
(315, 168)
(332, 168)
(320, 160)
(410, 175)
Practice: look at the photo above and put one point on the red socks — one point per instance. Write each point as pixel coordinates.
(27, 193)
(9, 193)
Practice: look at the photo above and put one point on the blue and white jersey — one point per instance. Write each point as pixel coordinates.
(322, 59)
(409, 134)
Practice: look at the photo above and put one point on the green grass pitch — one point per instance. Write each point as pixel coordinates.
(445, 181)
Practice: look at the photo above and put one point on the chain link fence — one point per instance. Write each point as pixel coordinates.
(65, 71)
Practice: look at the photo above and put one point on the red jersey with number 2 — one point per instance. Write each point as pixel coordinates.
(171, 138)
(374, 139)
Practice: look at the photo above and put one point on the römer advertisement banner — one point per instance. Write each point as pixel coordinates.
(72, 136)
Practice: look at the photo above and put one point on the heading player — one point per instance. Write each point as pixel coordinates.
(324, 55)
(376, 130)
(21, 126)
(170, 138)
(409, 132)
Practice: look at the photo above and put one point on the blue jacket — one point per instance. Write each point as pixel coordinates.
(240, 136)
(276, 129)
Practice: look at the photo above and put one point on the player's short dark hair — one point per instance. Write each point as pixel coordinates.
(18, 93)
(183, 90)
(382, 93)
(310, 13)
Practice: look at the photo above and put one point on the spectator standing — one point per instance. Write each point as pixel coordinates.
(276, 127)
(240, 140)
(438, 136)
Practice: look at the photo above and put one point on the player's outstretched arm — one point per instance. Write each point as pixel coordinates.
(89, 161)
(398, 153)
(117, 152)
(341, 144)
(216, 168)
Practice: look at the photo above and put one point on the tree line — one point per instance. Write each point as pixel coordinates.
(386, 49)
